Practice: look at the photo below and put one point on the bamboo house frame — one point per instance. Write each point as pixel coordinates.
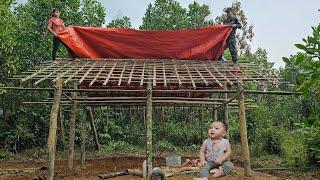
(143, 82)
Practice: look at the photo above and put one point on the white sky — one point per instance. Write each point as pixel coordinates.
(278, 24)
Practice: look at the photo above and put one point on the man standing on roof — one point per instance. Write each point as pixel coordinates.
(55, 26)
(232, 43)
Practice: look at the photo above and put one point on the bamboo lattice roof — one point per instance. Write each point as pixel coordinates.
(178, 82)
(162, 73)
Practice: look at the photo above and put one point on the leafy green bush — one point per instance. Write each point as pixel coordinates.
(164, 145)
(313, 144)
(294, 149)
(272, 139)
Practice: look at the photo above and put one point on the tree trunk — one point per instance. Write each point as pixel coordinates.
(72, 131)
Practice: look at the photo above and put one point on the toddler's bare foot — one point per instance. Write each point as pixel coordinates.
(217, 173)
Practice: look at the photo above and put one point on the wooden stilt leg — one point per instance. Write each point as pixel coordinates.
(83, 142)
(243, 131)
(93, 127)
(53, 129)
(149, 127)
(72, 131)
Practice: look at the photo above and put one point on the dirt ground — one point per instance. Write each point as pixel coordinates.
(95, 167)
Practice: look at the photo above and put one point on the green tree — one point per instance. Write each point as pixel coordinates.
(246, 34)
(169, 14)
(34, 40)
(8, 63)
(123, 22)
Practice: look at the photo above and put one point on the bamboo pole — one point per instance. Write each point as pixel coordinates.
(243, 131)
(226, 107)
(93, 127)
(214, 113)
(72, 131)
(149, 127)
(53, 129)
(63, 138)
(83, 142)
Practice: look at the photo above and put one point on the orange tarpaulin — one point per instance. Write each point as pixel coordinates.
(200, 44)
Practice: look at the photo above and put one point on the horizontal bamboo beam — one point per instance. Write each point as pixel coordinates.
(167, 91)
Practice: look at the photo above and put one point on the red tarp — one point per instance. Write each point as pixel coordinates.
(200, 44)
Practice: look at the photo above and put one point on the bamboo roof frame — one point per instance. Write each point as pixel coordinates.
(190, 76)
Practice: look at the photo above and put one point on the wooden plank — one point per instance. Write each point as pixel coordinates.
(164, 75)
(154, 75)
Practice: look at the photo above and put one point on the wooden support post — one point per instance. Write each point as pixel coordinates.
(72, 131)
(149, 127)
(225, 106)
(93, 127)
(243, 131)
(83, 127)
(214, 113)
(63, 138)
(53, 129)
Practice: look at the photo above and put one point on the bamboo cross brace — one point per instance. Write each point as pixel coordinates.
(38, 72)
(47, 76)
(109, 74)
(217, 81)
(154, 75)
(121, 75)
(164, 74)
(224, 77)
(177, 74)
(63, 74)
(86, 74)
(235, 76)
(130, 76)
(142, 74)
(98, 74)
(199, 73)
(74, 74)
(192, 81)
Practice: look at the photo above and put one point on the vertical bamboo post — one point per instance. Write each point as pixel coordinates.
(214, 113)
(63, 138)
(72, 130)
(83, 142)
(225, 106)
(93, 127)
(53, 129)
(149, 127)
(243, 131)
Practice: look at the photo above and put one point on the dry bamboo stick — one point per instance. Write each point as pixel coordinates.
(164, 75)
(204, 80)
(130, 76)
(142, 75)
(86, 74)
(190, 76)
(74, 74)
(177, 75)
(98, 74)
(109, 74)
(121, 75)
